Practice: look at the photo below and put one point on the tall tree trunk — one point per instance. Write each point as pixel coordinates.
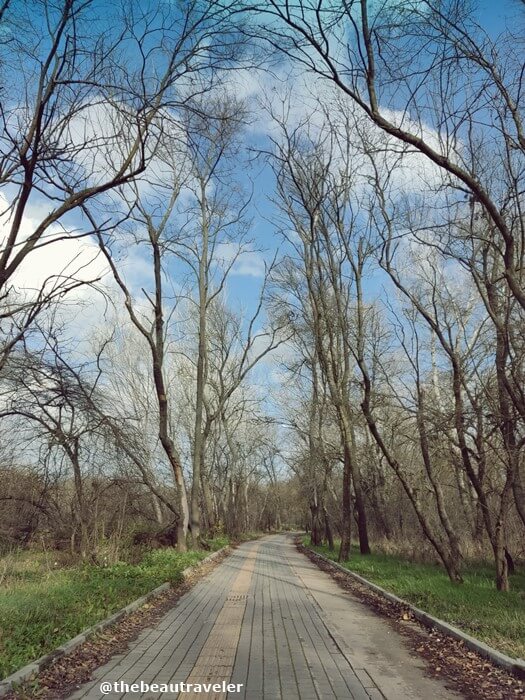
(444, 518)
(199, 445)
(157, 350)
(329, 535)
(519, 494)
(440, 548)
(315, 531)
(346, 527)
(362, 524)
(82, 542)
(157, 509)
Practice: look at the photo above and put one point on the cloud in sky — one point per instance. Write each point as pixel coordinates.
(58, 267)
(80, 258)
(59, 262)
(304, 100)
(249, 263)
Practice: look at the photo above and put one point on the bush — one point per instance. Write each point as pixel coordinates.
(215, 543)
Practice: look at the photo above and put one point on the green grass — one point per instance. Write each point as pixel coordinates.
(475, 606)
(218, 542)
(41, 609)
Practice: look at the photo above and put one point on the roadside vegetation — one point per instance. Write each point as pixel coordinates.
(44, 604)
(475, 606)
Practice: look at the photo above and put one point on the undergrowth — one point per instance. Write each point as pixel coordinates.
(41, 608)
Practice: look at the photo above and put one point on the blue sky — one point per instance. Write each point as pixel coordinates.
(492, 15)
(245, 281)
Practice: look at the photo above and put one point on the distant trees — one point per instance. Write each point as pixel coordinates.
(89, 473)
(320, 211)
(58, 409)
(214, 230)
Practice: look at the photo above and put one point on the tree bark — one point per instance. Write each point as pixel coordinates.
(346, 527)
(199, 446)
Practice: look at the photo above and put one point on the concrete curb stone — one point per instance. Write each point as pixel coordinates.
(35, 667)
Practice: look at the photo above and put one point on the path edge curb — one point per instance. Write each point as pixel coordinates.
(514, 666)
(34, 667)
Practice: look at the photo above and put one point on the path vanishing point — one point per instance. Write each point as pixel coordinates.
(267, 619)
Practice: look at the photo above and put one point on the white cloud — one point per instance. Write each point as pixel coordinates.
(58, 261)
(248, 263)
(304, 100)
(66, 264)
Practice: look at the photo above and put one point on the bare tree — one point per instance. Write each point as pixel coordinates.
(81, 115)
(236, 346)
(213, 238)
(322, 217)
(408, 66)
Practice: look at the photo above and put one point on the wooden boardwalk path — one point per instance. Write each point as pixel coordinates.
(270, 621)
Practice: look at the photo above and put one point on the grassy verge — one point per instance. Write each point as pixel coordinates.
(475, 606)
(40, 610)
(249, 537)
